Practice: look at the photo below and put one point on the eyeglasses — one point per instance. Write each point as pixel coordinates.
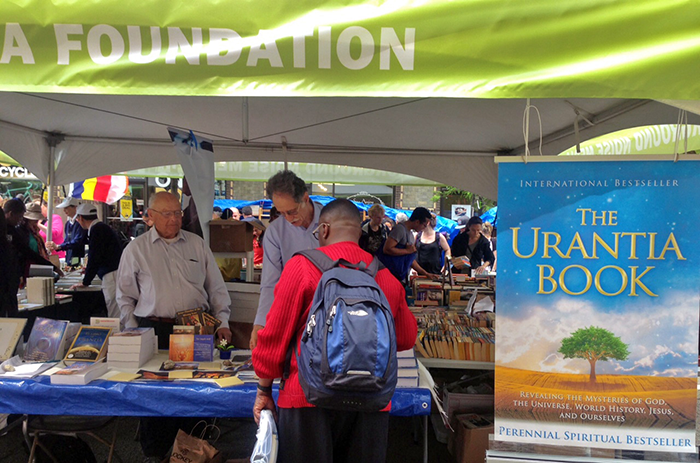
(318, 229)
(170, 214)
(291, 212)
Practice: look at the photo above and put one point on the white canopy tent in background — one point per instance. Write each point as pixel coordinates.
(450, 141)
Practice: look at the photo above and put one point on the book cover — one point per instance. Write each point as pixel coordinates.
(203, 348)
(10, 332)
(190, 317)
(181, 347)
(45, 340)
(90, 345)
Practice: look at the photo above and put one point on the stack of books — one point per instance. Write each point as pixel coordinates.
(407, 369)
(456, 336)
(131, 348)
(40, 290)
(427, 292)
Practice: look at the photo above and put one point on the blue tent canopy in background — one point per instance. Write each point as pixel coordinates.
(490, 216)
(443, 225)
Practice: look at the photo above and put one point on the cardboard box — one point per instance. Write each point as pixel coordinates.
(230, 236)
(455, 403)
(472, 438)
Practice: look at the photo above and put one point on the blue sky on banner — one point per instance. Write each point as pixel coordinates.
(649, 197)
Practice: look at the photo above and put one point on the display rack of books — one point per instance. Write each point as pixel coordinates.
(455, 291)
(455, 339)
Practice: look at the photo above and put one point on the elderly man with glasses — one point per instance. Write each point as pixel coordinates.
(167, 270)
(285, 237)
(162, 272)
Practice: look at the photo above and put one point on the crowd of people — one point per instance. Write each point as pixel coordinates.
(167, 269)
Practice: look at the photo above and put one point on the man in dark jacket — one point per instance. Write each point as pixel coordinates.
(9, 284)
(74, 235)
(104, 253)
(473, 245)
(18, 237)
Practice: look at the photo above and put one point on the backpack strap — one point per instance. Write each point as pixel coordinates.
(325, 263)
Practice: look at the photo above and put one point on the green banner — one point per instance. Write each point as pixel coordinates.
(407, 48)
(650, 139)
(312, 173)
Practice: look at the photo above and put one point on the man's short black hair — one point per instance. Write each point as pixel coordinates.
(14, 205)
(341, 209)
(217, 209)
(247, 210)
(286, 182)
(473, 221)
(420, 215)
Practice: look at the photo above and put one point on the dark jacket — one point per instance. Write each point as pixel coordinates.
(482, 252)
(74, 242)
(9, 283)
(104, 252)
(19, 239)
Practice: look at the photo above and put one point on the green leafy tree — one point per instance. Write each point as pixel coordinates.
(593, 344)
(453, 195)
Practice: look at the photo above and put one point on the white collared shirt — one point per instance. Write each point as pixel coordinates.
(156, 279)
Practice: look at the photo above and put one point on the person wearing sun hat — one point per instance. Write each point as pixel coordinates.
(74, 236)
(31, 222)
(104, 253)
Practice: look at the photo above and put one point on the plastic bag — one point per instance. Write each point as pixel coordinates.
(266, 445)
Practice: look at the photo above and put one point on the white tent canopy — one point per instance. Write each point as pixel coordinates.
(450, 141)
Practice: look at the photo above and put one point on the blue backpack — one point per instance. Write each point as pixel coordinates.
(347, 353)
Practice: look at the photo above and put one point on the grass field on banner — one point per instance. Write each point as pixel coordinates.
(613, 400)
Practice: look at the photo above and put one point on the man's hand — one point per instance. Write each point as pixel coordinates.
(51, 246)
(254, 336)
(78, 287)
(411, 248)
(263, 401)
(224, 333)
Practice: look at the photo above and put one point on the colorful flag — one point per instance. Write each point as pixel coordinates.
(107, 189)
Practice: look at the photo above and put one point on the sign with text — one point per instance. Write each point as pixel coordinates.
(427, 48)
(598, 296)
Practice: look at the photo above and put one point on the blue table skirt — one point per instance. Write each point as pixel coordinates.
(182, 398)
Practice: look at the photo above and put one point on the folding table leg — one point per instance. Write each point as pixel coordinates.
(425, 438)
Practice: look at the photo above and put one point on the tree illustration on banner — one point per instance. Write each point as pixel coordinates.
(593, 344)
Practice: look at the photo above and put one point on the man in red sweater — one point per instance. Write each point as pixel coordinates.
(308, 433)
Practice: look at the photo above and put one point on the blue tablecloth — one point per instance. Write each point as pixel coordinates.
(180, 398)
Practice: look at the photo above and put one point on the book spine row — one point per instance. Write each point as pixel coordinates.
(448, 338)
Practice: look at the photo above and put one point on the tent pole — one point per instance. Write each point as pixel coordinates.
(245, 120)
(53, 140)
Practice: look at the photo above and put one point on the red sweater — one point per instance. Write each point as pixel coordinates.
(290, 309)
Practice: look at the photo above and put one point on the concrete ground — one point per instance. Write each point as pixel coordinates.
(236, 442)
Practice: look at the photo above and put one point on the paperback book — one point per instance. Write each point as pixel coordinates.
(10, 334)
(90, 345)
(45, 340)
(79, 373)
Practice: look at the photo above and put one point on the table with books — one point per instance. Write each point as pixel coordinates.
(119, 388)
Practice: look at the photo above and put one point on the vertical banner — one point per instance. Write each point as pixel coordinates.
(196, 157)
(598, 299)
